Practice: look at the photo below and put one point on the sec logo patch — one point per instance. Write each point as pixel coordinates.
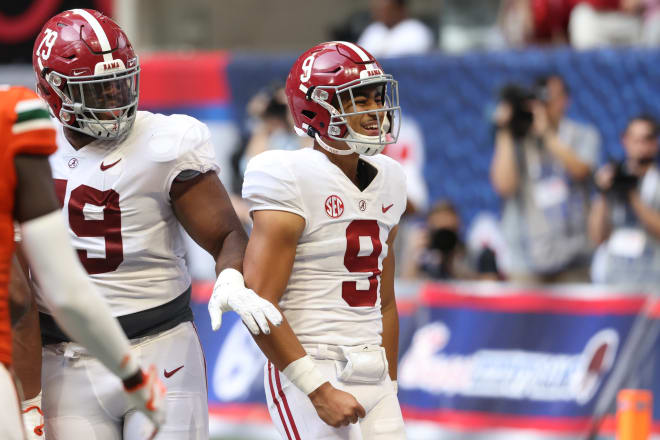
(334, 206)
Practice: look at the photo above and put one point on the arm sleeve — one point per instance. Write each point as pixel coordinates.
(31, 130)
(269, 184)
(193, 152)
(76, 305)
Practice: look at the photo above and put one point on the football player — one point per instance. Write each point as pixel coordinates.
(321, 248)
(27, 196)
(126, 179)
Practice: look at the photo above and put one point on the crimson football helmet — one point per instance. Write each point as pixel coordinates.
(322, 75)
(88, 73)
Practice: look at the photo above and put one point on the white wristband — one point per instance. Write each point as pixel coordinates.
(304, 374)
(35, 401)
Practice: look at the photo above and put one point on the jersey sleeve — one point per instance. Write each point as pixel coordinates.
(30, 128)
(269, 184)
(182, 143)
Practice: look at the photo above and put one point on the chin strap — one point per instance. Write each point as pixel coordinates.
(331, 149)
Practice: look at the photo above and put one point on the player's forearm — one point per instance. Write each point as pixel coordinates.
(391, 337)
(232, 251)
(647, 215)
(26, 350)
(19, 293)
(576, 168)
(281, 346)
(284, 350)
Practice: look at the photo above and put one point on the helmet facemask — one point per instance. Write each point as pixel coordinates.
(339, 116)
(101, 106)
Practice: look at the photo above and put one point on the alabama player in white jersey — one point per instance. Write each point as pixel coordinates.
(321, 248)
(126, 180)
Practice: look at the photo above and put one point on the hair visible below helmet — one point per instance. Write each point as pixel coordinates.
(88, 73)
(318, 80)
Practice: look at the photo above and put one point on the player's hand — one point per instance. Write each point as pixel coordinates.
(336, 407)
(230, 293)
(604, 177)
(148, 397)
(502, 114)
(541, 122)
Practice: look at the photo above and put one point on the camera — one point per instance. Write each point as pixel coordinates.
(519, 98)
(623, 180)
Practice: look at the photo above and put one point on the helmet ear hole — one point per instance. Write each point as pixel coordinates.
(309, 114)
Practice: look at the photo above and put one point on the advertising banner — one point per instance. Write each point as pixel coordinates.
(481, 360)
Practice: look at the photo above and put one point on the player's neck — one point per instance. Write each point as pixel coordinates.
(77, 139)
(347, 164)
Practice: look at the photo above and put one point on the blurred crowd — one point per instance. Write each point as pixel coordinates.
(389, 29)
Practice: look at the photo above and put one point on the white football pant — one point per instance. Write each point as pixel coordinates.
(296, 419)
(84, 400)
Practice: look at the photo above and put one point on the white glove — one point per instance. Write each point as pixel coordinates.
(148, 397)
(230, 293)
(33, 418)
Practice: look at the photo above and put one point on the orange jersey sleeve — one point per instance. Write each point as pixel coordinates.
(25, 128)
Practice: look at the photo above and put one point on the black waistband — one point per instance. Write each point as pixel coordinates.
(136, 325)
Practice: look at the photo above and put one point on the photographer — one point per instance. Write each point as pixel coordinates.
(541, 168)
(271, 125)
(437, 252)
(625, 216)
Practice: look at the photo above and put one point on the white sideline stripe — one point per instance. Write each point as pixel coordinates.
(98, 30)
(34, 124)
(29, 104)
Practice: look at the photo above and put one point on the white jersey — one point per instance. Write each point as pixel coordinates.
(333, 294)
(116, 201)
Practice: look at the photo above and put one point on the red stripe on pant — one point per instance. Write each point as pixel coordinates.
(277, 403)
(286, 404)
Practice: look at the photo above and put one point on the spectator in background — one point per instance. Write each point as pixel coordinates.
(625, 216)
(438, 253)
(471, 25)
(596, 23)
(535, 21)
(541, 168)
(583, 23)
(393, 33)
(271, 125)
(409, 152)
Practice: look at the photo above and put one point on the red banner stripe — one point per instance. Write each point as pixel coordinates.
(175, 80)
(439, 295)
